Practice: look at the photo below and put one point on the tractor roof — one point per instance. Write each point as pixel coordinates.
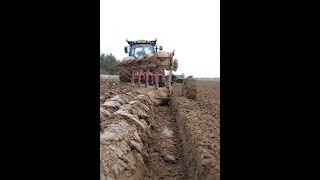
(152, 42)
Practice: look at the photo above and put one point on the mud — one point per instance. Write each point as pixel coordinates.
(166, 156)
(123, 130)
(140, 139)
(120, 152)
(199, 126)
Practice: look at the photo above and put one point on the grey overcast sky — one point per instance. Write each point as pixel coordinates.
(191, 27)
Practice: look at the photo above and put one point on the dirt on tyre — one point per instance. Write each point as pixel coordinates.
(124, 75)
(189, 88)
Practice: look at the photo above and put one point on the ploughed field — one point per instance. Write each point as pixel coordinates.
(140, 139)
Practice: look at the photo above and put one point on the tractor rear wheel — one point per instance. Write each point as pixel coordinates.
(189, 88)
(125, 75)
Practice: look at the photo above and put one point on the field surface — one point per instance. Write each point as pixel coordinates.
(140, 139)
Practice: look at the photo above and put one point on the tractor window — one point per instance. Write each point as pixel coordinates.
(141, 49)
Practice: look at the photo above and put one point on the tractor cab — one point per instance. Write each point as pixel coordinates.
(141, 47)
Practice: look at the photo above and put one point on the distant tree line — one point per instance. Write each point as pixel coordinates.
(108, 64)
